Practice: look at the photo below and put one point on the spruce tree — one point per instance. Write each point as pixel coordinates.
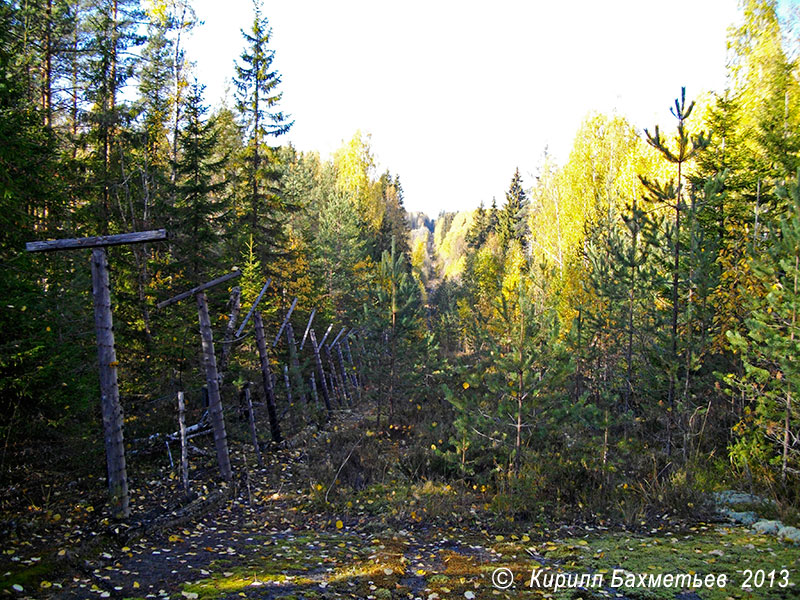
(257, 99)
(513, 218)
(198, 209)
(479, 230)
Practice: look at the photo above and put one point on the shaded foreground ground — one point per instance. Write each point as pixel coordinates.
(271, 540)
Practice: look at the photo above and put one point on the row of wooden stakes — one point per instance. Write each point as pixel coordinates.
(340, 383)
(336, 383)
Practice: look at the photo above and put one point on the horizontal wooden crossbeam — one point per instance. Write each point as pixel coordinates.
(118, 239)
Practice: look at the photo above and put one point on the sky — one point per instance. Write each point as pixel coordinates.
(457, 94)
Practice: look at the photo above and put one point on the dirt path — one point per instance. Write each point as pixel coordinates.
(271, 542)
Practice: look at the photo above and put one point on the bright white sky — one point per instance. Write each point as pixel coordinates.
(457, 94)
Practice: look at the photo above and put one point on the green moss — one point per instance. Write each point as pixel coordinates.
(705, 549)
(29, 577)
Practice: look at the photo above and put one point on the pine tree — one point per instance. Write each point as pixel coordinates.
(112, 37)
(394, 321)
(769, 348)
(505, 396)
(672, 196)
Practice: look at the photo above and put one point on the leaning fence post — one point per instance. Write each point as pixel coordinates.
(320, 372)
(212, 379)
(336, 385)
(251, 418)
(266, 374)
(346, 380)
(295, 362)
(210, 364)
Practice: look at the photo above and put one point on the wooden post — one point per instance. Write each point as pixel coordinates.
(353, 371)
(109, 390)
(266, 374)
(184, 449)
(295, 363)
(308, 327)
(210, 364)
(336, 385)
(285, 322)
(212, 380)
(329, 380)
(314, 390)
(253, 308)
(345, 379)
(320, 372)
(251, 418)
(289, 400)
(227, 341)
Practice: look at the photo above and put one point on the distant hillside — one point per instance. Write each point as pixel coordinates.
(418, 220)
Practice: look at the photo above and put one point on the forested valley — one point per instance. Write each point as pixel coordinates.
(593, 374)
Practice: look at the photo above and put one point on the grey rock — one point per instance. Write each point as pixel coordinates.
(767, 527)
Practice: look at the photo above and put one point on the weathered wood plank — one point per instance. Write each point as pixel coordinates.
(266, 374)
(251, 418)
(109, 391)
(135, 237)
(212, 380)
(285, 321)
(320, 372)
(308, 327)
(336, 339)
(253, 308)
(199, 288)
(227, 341)
(184, 448)
(325, 337)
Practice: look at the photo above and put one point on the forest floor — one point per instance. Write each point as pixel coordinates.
(273, 537)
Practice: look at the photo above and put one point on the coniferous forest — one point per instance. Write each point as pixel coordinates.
(292, 387)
